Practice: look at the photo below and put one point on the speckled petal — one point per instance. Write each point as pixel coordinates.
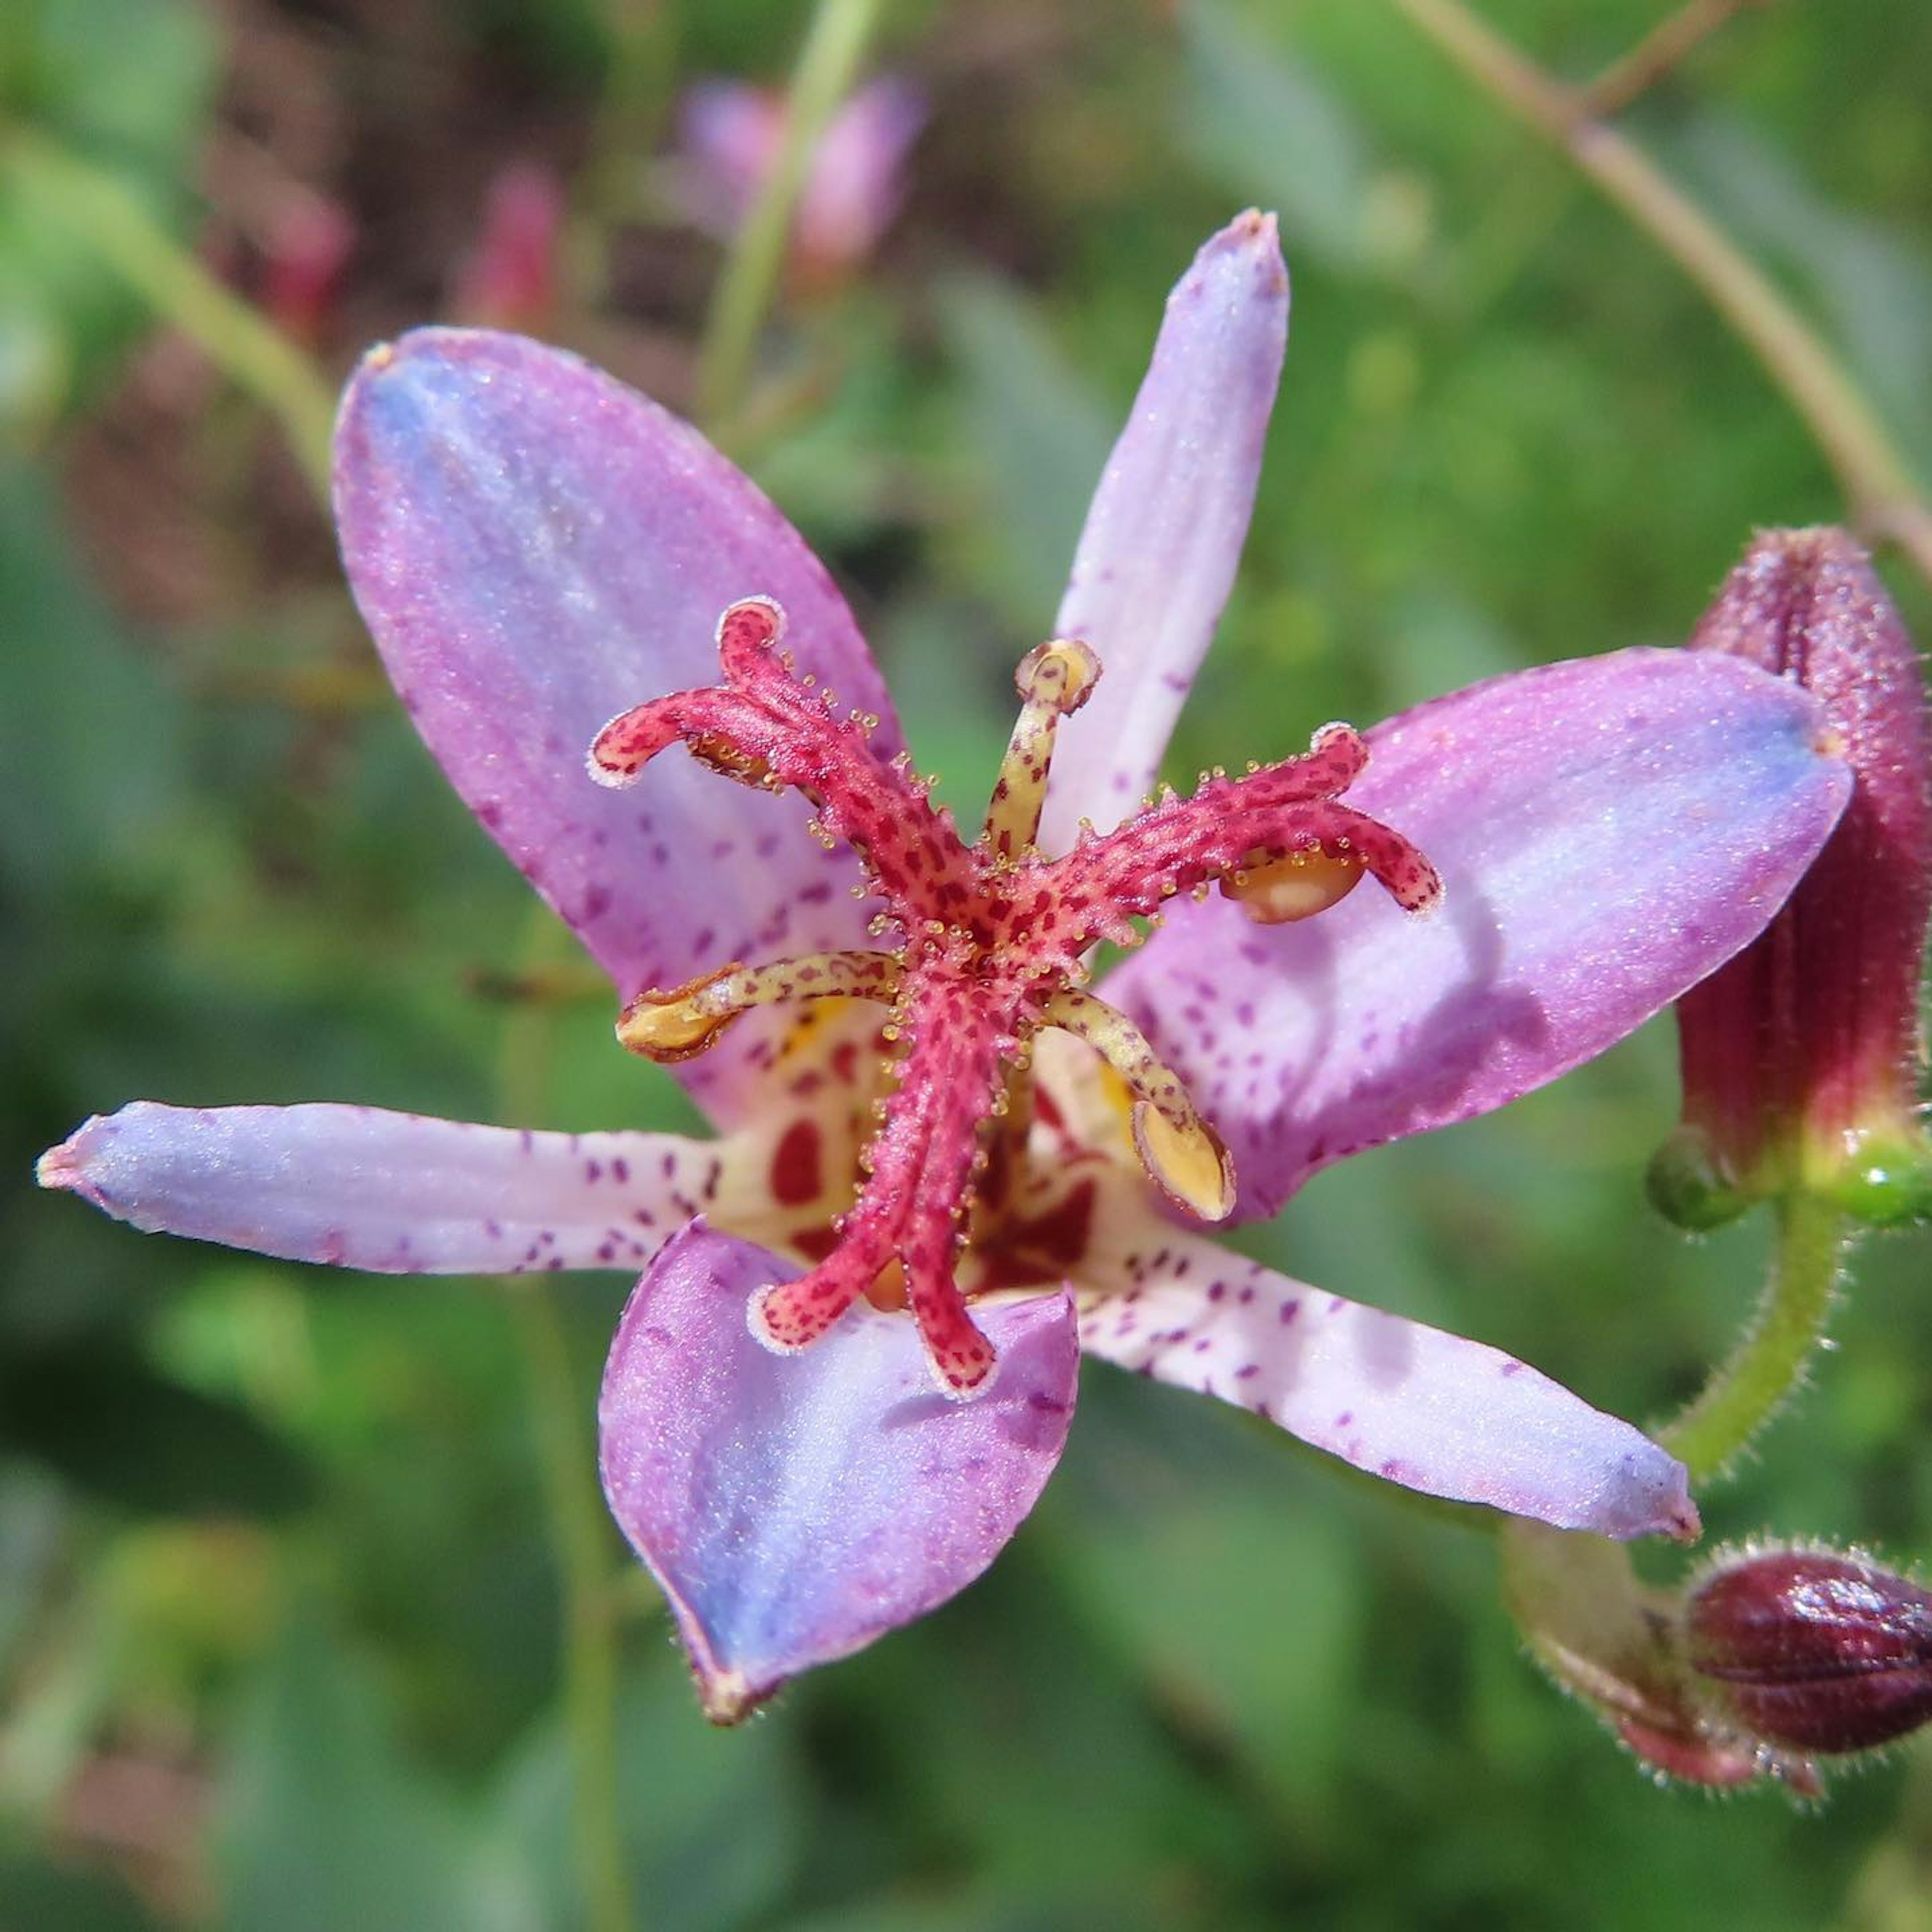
(536, 548)
(795, 1508)
(394, 1193)
(1608, 830)
(1426, 1409)
(1157, 557)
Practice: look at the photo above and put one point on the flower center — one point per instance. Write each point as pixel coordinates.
(988, 945)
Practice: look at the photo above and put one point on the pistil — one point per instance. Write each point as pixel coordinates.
(994, 939)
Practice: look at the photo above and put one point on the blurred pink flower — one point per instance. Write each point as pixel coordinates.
(730, 134)
(510, 278)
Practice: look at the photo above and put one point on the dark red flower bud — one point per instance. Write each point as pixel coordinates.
(1800, 1057)
(1807, 1650)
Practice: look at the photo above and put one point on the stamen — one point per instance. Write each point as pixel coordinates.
(1183, 1155)
(1054, 680)
(668, 1026)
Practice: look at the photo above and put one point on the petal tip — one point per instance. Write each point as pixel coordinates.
(1648, 1495)
(1253, 236)
(60, 1167)
(729, 1696)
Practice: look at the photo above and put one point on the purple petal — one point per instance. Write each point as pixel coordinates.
(535, 548)
(1157, 557)
(1608, 831)
(394, 1193)
(795, 1508)
(1428, 1410)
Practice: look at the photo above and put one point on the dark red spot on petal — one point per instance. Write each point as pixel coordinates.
(798, 1172)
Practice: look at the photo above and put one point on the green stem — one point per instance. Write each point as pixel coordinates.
(637, 96)
(1886, 498)
(579, 1526)
(1769, 1363)
(826, 67)
(102, 216)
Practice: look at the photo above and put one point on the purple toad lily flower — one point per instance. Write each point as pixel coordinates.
(966, 1167)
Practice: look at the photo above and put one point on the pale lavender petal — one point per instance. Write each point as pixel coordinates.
(393, 1193)
(794, 1508)
(1608, 831)
(1157, 557)
(535, 548)
(1426, 1409)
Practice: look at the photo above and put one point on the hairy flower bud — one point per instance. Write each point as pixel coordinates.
(1617, 1645)
(1808, 1651)
(1800, 1057)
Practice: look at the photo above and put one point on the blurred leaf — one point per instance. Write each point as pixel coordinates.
(128, 79)
(1270, 131)
(710, 1817)
(1873, 279)
(1041, 438)
(37, 1897)
(90, 738)
(33, 1514)
(107, 1421)
(328, 1825)
(1039, 1760)
(1242, 1620)
(129, 82)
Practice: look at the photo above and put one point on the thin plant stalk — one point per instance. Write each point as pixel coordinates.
(1768, 1364)
(1885, 499)
(579, 1524)
(828, 64)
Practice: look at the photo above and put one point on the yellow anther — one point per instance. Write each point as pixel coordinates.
(676, 1025)
(1277, 892)
(1060, 673)
(1185, 1159)
(667, 1027)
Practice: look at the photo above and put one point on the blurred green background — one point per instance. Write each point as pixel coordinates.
(281, 1636)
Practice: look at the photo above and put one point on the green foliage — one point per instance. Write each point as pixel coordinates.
(128, 82)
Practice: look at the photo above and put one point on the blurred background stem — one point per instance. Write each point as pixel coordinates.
(827, 65)
(564, 1427)
(110, 222)
(1885, 500)
(1768, 1364)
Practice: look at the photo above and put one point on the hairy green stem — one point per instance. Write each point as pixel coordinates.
(107, 220)
(1769, 1362)
(579, 1526)
(1886, 500)
(827, 64)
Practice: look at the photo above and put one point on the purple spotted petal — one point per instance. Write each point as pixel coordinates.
(795, 1508)
(1428, 1410)
(394, 1193)
(1608, 831)
(1157, 557)
(535, 548)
